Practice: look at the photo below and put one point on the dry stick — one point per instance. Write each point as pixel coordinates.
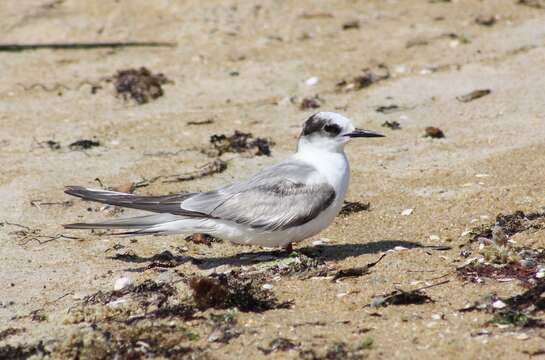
(83, 46)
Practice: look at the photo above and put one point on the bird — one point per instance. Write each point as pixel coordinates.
(279, 205)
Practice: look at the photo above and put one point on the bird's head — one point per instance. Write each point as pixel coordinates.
(330, 131)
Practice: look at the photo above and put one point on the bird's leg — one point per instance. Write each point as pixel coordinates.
(289, 248)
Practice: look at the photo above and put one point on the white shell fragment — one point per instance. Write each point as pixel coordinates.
(122, 283)
(498, 304)
(312, 81)
(407, 212)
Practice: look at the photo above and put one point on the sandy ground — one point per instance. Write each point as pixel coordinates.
(491, 160)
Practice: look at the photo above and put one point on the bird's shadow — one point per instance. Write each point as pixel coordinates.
(332, 252)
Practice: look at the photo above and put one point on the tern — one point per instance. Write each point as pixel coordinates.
(278, 206)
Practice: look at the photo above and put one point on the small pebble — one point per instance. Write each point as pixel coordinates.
(407, 212)
(498, 304)
(122, 283)
(267, 287)
(540, 273)
(312, 81)
(434, 237)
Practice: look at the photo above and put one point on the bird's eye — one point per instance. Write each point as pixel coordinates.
(332, 129)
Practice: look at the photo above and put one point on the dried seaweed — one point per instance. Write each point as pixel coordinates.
(366, 79)
(394, 125)
(4, 334)
(278, 345)
(356, 271)
(313, 102)
(139, 84)
(23, 351)
(222, 291)
(352, 207)
(402, 297)
(83, 144)
(239, 142)
(434, 132)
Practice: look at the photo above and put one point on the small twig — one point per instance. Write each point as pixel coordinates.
(83, 46)
(15, 224)
(357, 271)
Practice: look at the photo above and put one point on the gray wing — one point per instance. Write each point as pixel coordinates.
(274, 199)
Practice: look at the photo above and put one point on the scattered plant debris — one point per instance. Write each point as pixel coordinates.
(473, 95)
(337, 351)
(315, 15)
(352, 207)
(387, 109)
(394, 125)
(538, 4)
(142, 340)
(83, 144)
(355, 271)
(351, 24)
(311, 102)
(239, 142)
(402, 297)
(40, 203)
(516, 310)
(475, 272)
(51, 144)
(23, 351)
(166, 259)
(368, 78)
(215, 167)
(223, 327)
(139, 84)
(4, 334)
(485, 20)
(203, 122)
(434, 132)
(200, 238)
(279, 344)
(498, 257)
(222, 291)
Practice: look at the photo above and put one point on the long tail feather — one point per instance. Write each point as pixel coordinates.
(159, 204)
(139, 222)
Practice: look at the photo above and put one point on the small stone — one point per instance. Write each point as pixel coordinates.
(312, 81)
(407, 212)
(434, 237)
(498, 304)
(267, 286)
(540, 273)
(122, 283)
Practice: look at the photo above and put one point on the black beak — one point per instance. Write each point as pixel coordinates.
(363, 133)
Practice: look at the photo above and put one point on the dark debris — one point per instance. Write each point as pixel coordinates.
(393, 125)
(355, 271)
(476, 94)
(311, 102)
(200, 238)
(239, 142)
(352, 207)
(222, 291)
(434, 132)
(4, 334)
(23, 351)
(366, 79)
(83, 144)
(139, 84)
(279, 345)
